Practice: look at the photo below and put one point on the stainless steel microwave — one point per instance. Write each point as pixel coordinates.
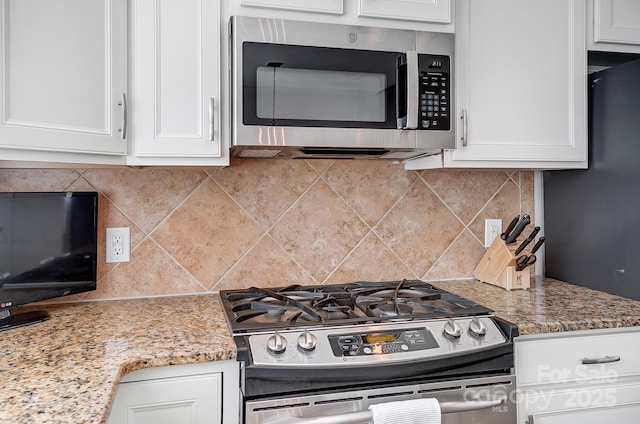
(303, 89)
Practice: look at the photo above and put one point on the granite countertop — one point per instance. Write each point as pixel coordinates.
(551, 306)
(66, 369)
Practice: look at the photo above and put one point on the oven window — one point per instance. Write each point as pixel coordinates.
(304, 86)
(317, 95)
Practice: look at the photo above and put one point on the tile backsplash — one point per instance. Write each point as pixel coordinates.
(282, 222)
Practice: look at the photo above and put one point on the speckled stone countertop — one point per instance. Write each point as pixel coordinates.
(66, 369)
(551, 306)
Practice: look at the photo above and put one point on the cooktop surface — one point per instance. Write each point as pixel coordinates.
(360, 302)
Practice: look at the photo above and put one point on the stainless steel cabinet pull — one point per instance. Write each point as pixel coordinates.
(463, 117)
(365, 416)
(123, 103)
(605, 360)
(530, 420)
(212, 126)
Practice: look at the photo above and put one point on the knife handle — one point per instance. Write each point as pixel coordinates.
(537, 245)
(529, 239)
(526, 220)
(510, 227)
(521, 247)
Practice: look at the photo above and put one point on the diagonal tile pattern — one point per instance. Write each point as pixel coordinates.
(279, 222)
(319, 230)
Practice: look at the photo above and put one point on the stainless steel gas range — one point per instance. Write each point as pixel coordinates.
(324, 354)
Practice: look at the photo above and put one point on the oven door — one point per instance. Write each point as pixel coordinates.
(484, 400)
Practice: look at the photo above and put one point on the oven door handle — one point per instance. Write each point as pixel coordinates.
(366, 416)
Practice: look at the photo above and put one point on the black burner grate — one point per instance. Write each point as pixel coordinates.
(360, 302)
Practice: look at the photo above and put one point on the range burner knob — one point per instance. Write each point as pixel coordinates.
(307, 341)
(452, 329)
(276, 344)
(477, 328)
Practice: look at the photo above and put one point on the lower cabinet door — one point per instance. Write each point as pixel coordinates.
(619, 414)
(608, 403)
(185, 400)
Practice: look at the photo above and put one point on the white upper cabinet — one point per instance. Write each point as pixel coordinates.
(313, 6)
(521, 86)
(615, 25)
(175, 83)
(63, 77)
(427, 15)
(408, 10)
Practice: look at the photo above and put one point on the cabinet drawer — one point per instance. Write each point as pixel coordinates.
(593, 356)
(615, 404)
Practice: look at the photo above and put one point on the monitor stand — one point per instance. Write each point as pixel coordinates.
(8, 321)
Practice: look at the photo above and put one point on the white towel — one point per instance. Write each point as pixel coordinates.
(415, 411)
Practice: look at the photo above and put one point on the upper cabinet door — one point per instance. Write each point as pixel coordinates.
(423, 15)
(521, 83)
(315, 6)
(616, 21)
(63, 75)
(410, 10)
(176, 82)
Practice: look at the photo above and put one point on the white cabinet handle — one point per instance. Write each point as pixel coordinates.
(212, 122)
(123, 103)
(605, 360)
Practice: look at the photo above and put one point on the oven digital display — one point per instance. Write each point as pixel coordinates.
(379, 337)
(381, 343)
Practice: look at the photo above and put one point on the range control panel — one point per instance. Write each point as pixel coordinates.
(382, 342)
(370, 344)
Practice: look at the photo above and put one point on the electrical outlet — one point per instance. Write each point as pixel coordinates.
(117, 245)
(492, 229)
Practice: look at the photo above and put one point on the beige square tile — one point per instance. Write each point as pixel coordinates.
(320, 165)
(465, 192)
(207, 234)
(108, 216)
(371, 260)
(150, 272)
(265, 265)
(265, 188)
(37, 179)
(369, 187)
(319, 230)
(146, 196)
(419, 228)
(459, 260)
(526, 194)
(505, 205)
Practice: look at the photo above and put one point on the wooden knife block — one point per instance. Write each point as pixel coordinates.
(498, 266)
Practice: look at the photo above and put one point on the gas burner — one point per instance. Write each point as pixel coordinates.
(390, 310)
(360, 302)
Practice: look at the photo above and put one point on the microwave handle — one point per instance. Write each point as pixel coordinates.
(411, 97)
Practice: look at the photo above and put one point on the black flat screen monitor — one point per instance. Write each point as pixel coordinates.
(48, 248)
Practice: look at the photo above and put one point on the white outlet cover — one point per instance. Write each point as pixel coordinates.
(117, 245)
(492, 229)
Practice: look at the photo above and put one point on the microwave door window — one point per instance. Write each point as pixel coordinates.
(320, 95)
(304, 86)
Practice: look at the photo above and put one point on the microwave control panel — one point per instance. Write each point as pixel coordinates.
(435, 92)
